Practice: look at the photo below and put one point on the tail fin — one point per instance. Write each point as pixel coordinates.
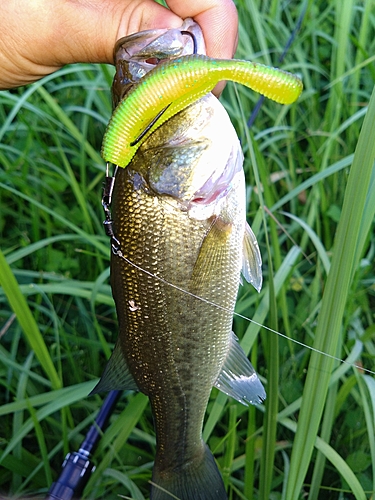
(199, 479)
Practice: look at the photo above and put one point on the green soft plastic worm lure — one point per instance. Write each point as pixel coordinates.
(175, 84)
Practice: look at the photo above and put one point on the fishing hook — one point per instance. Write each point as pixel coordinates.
(149, 126)
(195, 45)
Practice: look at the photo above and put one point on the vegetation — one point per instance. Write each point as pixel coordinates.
(311, 191)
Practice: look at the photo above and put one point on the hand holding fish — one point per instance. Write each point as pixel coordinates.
(39, 37)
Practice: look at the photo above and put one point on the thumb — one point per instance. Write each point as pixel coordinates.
(95, 27)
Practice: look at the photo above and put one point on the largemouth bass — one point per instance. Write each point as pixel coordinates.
(180, 241)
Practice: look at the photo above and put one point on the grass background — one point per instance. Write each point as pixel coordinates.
(311, 201)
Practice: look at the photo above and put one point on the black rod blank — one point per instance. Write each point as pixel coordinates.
(77, 466)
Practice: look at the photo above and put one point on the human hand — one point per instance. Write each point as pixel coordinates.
(39, 37)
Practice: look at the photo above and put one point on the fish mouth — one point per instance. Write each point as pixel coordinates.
(201, 191)
(137, 54)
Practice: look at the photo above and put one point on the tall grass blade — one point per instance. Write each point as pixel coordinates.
(26, 320)
(336, 460)
(68, 396)
(344, 263)
(369, 410)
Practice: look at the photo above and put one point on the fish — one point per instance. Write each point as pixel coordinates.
(180, 244)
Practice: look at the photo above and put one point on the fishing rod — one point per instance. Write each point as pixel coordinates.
(77, 466)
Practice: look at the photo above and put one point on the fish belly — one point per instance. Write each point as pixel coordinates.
(173, 336)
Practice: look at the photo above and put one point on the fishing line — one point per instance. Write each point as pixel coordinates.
(118, 252)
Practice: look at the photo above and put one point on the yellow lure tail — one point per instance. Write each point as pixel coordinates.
(175, 84)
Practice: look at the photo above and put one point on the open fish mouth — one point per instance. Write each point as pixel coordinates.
(135, 55)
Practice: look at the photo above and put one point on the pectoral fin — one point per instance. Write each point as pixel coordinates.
(212, 256)
(116, 375)
(252, 260)
(238, 378)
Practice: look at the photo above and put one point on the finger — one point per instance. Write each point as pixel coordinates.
(218, 20)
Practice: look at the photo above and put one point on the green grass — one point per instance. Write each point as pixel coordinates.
(311, 201)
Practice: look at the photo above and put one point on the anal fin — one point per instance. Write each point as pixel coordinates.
(116, 375)
(238, 378)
